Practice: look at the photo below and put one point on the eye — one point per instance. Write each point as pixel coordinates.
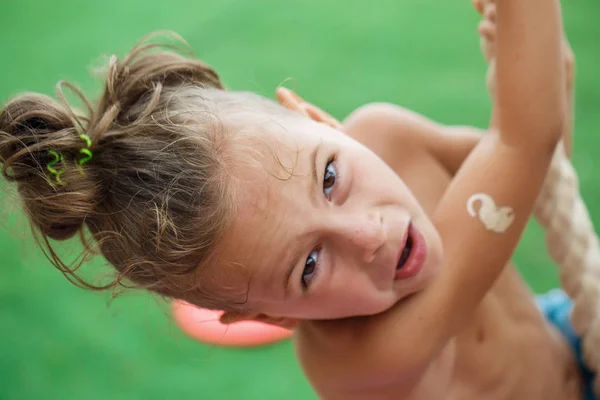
(329, 178)
(310, 268)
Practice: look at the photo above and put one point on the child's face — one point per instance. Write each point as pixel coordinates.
(325, 245)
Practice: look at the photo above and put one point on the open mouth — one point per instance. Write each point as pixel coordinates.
(405, 253)
(412, 256)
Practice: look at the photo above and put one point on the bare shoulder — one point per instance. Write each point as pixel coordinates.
(346, 359)
(340, 362)
(401, 136)
(388, 130)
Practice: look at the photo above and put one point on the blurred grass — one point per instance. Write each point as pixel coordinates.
(59, 342)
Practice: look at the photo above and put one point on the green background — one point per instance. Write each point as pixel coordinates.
(60, 342)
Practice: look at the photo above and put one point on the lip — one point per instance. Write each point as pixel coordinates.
(418, 253)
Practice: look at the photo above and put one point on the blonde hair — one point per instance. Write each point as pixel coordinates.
(155, 196)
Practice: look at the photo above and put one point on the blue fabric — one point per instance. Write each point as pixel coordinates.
(556, 306)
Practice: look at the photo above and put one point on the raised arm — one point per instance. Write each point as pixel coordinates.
(510, 164)
(507, 166)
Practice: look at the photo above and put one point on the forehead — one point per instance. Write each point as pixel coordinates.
(263, 155)
(269, 182)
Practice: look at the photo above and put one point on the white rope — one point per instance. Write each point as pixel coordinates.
(573, 244)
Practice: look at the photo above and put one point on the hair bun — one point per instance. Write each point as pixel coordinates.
(34, 128)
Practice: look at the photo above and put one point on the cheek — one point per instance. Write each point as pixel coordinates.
(359, 305)
(355, 296)
(374, 178)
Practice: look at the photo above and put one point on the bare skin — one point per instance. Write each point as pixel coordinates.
(453, 321)
(507, 350)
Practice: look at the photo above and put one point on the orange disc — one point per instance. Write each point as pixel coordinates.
(204, 325)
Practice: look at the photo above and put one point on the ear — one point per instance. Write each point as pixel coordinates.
(295, 103)
(282, 322)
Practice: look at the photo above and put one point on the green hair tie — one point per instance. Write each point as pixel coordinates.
(50, 167)
(87, 153)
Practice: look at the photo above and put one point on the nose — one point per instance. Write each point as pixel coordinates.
(365, 234)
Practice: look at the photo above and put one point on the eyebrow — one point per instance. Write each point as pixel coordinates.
(296, 254)
(315, 178)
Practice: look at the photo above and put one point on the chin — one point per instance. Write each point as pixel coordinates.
(420, 282)
(405, 294)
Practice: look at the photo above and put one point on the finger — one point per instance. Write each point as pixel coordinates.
(487, 30)
(490, 12)
(318, 114)
(286, 98)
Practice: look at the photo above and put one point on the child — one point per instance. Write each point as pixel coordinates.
(229, 201)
